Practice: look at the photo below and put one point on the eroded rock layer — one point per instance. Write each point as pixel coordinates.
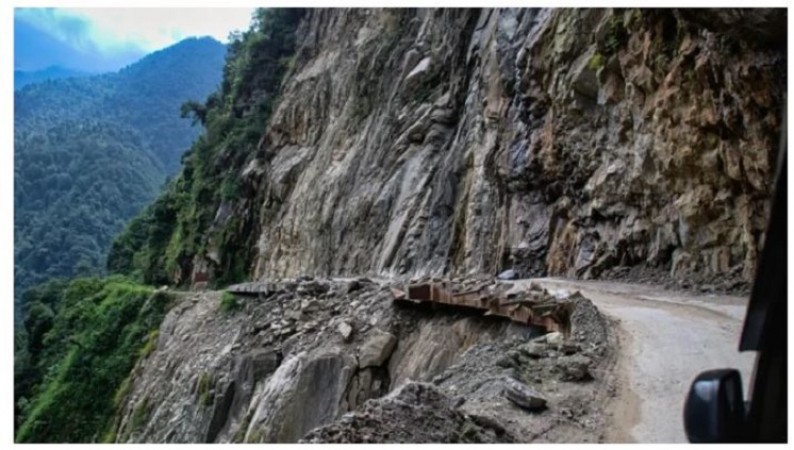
(562, 142)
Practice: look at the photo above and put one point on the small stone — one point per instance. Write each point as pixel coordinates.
(706, 288)
(514, 355)
(509, 274)
(310, 306)
(534, 349)
(346, 330)
(524, 396)
(574, 368)
(555, 339)
(505, 362)
(286, 331)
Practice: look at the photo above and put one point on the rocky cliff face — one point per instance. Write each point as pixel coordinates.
(561, 142)
(462, 142)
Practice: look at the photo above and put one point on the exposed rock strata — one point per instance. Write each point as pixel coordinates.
(561, 142)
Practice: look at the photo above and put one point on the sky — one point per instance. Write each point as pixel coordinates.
(107, 39)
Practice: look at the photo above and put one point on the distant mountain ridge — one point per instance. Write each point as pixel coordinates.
(146, 95)
(91, 151)
(23, 78)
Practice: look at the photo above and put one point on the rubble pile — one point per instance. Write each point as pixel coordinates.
(340, 361)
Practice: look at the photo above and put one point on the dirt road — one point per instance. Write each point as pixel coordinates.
(667, 338)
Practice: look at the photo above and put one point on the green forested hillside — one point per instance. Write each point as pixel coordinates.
(146, 96)
(75, 185)
(82, 337)
(159, 245)
(91, 152)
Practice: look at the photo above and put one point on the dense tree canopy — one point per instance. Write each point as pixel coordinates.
(83, 338)
(75, 185)
(159, 245)
(91, 152)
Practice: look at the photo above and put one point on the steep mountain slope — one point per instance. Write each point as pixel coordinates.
(91, 152)
(581, 143)
(77, 184)
(157, 245)
(145, 96)
(406, 142)
(76, 359)
(77, 181)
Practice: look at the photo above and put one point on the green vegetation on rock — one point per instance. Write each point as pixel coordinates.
(596, 61)
(206, 386)
(84, 338)
(616, 36)
(229, 303)
(209, 202)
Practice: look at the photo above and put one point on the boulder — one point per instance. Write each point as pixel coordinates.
(534, 349)
(377, 349)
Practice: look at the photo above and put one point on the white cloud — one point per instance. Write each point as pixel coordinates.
(149, 29)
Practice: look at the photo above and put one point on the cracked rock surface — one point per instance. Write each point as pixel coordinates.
(586, 143)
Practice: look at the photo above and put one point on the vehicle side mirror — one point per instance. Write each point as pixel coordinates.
(714, 410)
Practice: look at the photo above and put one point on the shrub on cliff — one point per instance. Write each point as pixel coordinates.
(159, 246)
(94, 333)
